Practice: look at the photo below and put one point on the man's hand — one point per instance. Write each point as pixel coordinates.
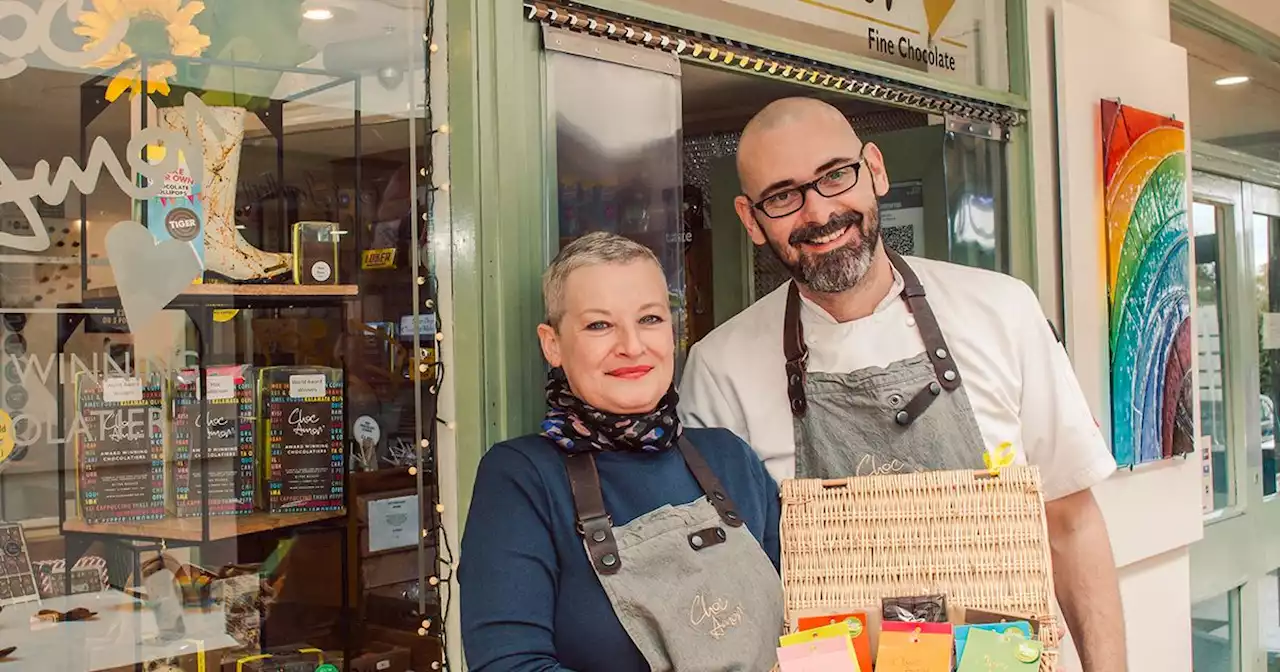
(1088, 589)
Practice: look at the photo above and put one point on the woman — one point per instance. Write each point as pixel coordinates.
(615, 540)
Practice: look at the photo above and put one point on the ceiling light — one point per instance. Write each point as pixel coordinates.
(1232, 80)
(318, 14)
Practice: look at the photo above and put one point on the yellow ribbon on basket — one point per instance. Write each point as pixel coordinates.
(999, 457)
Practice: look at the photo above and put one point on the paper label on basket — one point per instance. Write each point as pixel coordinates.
(832, 654)
(1008, 652)
(858, 627)
(915, 647)
(962, 632)
(121, 389)
(916, 609)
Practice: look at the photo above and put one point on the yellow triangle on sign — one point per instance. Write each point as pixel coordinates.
(936, 12)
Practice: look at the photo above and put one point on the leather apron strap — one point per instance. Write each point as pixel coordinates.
(596, 525)
(946, 373)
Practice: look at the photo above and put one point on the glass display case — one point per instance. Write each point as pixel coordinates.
(222, 340)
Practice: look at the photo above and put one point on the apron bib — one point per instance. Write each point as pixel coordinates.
(910, 416)
(690, 585)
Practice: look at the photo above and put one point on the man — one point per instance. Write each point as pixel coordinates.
(870, 364)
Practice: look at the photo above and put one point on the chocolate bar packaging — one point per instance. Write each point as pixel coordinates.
(315, 253)
(302, 463)
(227, 419)
(916, 609)
(120, 430)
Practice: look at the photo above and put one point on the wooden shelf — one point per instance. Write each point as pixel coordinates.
(229, 290)
(189, 529)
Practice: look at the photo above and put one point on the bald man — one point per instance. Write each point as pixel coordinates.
(871, 363)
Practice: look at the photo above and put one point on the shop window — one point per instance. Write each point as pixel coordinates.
(1215, 638)
(1207, 225)
(218, 341)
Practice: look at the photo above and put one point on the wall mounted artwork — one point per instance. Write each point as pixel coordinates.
(1148, 284)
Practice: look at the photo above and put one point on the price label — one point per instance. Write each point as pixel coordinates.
(308, 386)
(221, 386)
(118, 390)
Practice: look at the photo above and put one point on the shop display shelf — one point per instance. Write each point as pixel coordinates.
(190, 529)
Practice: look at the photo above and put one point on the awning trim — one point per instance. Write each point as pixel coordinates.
(725, 52)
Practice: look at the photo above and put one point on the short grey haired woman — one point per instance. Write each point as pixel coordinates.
(616, 540)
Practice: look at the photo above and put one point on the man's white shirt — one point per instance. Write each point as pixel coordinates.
(1018, 377)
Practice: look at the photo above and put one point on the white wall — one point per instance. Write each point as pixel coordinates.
(1083, 52)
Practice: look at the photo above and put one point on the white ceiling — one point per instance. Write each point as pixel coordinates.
(1245, 117)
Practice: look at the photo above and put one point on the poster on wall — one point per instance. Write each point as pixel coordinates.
(1148, 284)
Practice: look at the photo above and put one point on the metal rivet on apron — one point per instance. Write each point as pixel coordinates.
(902, 417)
(718, 495)
(895, 400)
(609, 560)
(730, 515)
(949, 375)
(598, 536)
(935, 388)
(797, 405)
(720, 533)
(795, 379)
(696, 541)
(942, 354)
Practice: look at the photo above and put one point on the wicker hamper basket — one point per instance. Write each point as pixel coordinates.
(981, 540)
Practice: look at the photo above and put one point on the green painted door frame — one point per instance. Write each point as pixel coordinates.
(502, 168)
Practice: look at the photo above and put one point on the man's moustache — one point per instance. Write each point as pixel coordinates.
(837, 223)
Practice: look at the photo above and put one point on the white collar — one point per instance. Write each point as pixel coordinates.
(889, 299)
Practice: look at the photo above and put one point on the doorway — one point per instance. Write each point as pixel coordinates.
(645, 145)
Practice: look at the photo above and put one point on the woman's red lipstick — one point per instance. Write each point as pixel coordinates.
(631, 372)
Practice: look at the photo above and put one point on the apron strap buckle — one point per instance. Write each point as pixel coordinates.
(602, 547)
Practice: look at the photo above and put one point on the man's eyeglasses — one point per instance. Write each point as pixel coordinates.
(835, 182)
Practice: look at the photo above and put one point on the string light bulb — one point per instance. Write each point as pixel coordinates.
(422, 632)
(425, 443)
(439, 508)
(439, 336)
(443, 186)
(435, 581)
(433, 48)
(413, 471)
(444, 129)
(422, 280)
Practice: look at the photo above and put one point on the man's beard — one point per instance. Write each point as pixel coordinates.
(842, 268)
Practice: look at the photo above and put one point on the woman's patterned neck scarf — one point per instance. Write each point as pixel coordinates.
(576, 426)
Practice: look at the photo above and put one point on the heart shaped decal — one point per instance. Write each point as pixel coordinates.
(148, 276)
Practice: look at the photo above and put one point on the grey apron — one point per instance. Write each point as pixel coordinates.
(690, 585)
(874, 420)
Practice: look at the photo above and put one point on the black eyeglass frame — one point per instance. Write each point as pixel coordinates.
(803, 189)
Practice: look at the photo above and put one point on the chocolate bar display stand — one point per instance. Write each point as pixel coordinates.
(200, 505)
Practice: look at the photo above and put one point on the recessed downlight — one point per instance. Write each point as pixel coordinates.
(318, 14)
(1232, 80)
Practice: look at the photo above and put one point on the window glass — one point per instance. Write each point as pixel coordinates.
(1265, 279)
(1234, 94)
(1214, 637)
(1269, 620)
(218, 333)
(1207, 223)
